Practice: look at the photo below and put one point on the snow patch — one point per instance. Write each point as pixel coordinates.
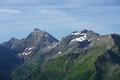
(80, 39)
(98, 39)
(27, 51)
(90, 39)
(91, 44)
(31, 48)
(59, 52)
(76, 33)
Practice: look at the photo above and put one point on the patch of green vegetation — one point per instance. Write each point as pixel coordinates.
(68, 68)
(23, 71)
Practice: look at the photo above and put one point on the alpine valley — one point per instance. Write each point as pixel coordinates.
(81, 55)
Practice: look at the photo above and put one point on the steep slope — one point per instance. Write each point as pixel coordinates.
(8, 62)
(34, 45)
(11, 44)
(28, 47)
(108, 64)
(78, 56)
(36, 40)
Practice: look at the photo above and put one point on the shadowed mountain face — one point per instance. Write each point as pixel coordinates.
(11, 43)
(8, 62)
(82, 55)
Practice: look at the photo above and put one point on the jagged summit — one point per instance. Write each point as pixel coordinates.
(89, 32)
(36, 40)
(82, 31)
(85, 31)
(36, 30)
(10, 43)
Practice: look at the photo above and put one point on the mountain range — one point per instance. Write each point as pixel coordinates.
(81, 55)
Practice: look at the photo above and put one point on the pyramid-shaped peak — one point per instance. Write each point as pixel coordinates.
(36, 30)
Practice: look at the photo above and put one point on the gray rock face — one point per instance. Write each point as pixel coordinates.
(36, 40)
(11, 43)
(78, 41)
(18, 51)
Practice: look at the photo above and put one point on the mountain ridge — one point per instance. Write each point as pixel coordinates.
(81, 55)
(35, 40)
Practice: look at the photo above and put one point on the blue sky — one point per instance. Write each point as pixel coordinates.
(58, 17)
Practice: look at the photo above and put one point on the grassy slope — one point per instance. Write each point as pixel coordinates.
(23, 71)
(79, 66)
(69, 68)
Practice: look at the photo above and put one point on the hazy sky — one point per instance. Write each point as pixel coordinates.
(58, 17)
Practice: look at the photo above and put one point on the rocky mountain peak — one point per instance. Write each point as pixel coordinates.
(36, 30)
(36, 40)
(10, 43)
(37, 33)
(84, 31)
